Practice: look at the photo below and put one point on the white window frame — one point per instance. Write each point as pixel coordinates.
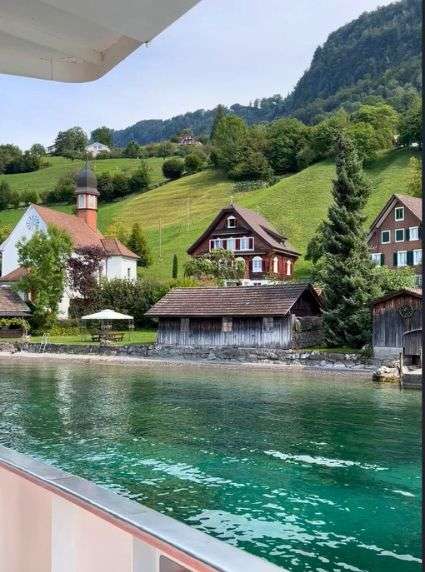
(257, 264)
(395, 234)
(244, 242)
(288, 267)
(376, 258)
(414, 229)
(231, 219)
(382, 237)
(399, 252)
(81, 201)
(417, 257)
(231, 244)
(395, 214)
(276, 264)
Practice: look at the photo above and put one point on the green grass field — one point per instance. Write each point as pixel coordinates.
(45, 179)
(146, 336)
(295, 205)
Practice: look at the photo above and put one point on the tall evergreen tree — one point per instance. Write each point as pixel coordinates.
(347, 271)
(220, 112)
(175, 270)
(137, 243)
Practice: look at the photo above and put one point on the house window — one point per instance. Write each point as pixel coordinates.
(184, 324)
(231, 222)
(227, 324)
(257, 264)
(268, 323)
(399, 235)
(402, 258)
(231, 244)
(377, 258)
(417, 257)
(246, 243)
(288, 267)
(414, 233)
(399, 213)
(276, 265)
(385, 236)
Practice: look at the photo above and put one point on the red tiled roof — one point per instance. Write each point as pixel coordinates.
(114, 247)
(258, 224)
(11, 304)
(15, 275)
(82, 234)
(235, 301)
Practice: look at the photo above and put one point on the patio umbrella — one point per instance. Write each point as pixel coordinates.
(107, 316)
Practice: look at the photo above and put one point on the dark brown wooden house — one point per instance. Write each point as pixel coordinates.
(265, 252)
(395, 235)
(393, 316)
(284, 316)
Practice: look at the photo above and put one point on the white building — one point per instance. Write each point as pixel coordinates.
(119, 261)
(93, 149)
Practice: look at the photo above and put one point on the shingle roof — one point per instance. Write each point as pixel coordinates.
(414, 292)
(414, 204)
(82, 235)
(11, 304)
(235, 301)
(14, 276)
(261, 226)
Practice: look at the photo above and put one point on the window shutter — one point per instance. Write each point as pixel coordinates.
(382, 259)
(407, 234)
(238, 244)
(420, 232)
(410, 258)
(251, 244)
(395, 259)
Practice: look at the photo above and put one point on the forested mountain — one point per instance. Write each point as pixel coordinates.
(376, 56)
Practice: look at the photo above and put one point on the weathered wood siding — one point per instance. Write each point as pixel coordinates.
(412, 343)
(391, 319)
(246, 332)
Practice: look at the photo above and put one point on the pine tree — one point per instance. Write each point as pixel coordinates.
(220, 112)
(347, 271)
(137, 243)
(175, 271)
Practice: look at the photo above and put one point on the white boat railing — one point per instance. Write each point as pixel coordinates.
(51, 521)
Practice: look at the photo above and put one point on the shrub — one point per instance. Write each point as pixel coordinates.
(140, 179)
(173, 168)
(121, 185)
(5, 193)
(194, 162)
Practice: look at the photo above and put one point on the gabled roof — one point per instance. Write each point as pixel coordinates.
(414, 204)
(14, 276)
(11, 305)
(82, 235)
(276, 300)
(259, 225)
(413, 292)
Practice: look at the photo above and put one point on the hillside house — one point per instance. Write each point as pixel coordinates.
(393, 316)
(119, 261)
(266, 253)
(93, 149)
(284, 316)
(395, 234)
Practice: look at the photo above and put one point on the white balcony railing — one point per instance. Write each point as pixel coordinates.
(51, 521)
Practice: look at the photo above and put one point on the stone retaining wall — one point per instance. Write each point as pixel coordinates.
(305, 358)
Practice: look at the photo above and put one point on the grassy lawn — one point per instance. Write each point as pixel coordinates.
(45, 179)
(184, 208)
(146, 336)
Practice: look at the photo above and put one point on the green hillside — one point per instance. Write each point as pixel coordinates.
(295, 205)
(45, 179)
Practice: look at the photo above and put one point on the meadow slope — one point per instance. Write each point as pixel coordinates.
(295, 205)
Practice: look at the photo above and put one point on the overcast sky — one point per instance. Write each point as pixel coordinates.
(222, 51)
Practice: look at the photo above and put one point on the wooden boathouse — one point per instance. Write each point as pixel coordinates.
(394, 316)
(284, 316)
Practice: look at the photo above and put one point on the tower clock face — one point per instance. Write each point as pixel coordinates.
(32, 222)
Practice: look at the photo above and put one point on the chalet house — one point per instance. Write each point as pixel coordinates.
(119, 261)
(266, 253)
(93, 149)
(395, 315)
(284, 316)
(395, 235)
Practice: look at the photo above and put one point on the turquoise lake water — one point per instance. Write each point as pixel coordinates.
(312, 472)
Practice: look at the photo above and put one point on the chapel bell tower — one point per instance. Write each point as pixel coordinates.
(87, 193)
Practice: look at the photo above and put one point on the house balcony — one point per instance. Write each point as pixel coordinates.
(51, 521)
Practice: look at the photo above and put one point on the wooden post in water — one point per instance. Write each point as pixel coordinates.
(401, 369)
